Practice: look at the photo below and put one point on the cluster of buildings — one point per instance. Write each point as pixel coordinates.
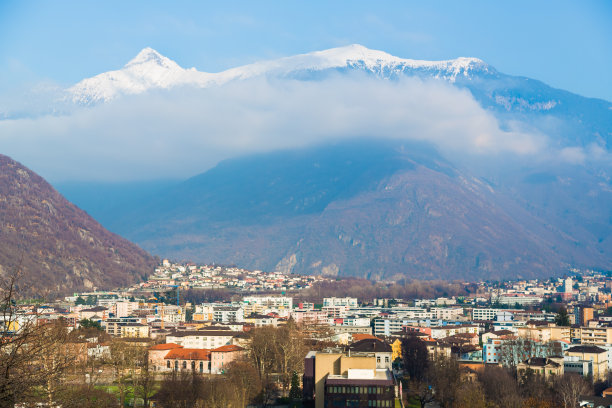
(189, 275)
(510, 323)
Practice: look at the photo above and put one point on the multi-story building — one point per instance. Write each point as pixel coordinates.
(228, 314)
(309, 317)
(135, 330)
(201, 339)
(333, 378)
(440, 332)
(446, 313)
(547, 368)
(382, 351)
(523, 300)
(591, 335)
(347, 301)
(386, 326)
(114, 324)
(124, 309)
(336, 311)
(489, 314)
(583, 314)
(596, 355)
(273, 302)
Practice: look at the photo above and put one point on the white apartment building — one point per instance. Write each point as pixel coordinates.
(334, 301)
(487, 314)
(273, 302)
(124, 309)
(228, 314)
(521, 300)
(446, 313)
(385, 327)
(201, 339)
(439, 332)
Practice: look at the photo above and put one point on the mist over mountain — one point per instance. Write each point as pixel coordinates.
(346, 161)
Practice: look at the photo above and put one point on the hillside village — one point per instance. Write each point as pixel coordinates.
(349, 348)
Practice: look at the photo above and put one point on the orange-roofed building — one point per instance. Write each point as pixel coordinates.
(157, 354)
(182, 359)
(222, 356)
(166, 346)
(362, 336)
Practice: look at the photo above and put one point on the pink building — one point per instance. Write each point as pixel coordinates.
(222, 356)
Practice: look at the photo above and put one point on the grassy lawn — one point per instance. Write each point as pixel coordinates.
(412, 403)
(129, 390)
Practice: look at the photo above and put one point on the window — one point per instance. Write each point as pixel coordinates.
(378, 360)
(386, 359)
(184, 365)
(201, 366)
(168, 364)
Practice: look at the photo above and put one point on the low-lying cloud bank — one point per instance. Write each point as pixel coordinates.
(182, 132)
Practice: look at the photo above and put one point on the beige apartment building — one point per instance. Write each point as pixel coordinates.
(544, 334)
(592, 335)
(596, 355)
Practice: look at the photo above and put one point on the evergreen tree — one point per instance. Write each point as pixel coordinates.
(295, 393)
(562, 318)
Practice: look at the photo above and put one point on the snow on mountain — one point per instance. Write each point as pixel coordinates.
(151, 70)
(148, 70)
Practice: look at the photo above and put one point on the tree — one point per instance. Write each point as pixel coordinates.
(278, 352)
(295, 393)
(181, 390)
(125, 359)
(144, 379)
(422, 391)
(415, 357)
(245, 382)
(31, 354)
(562, 318)
(500, 388)
(445, 377)
(470, 395)
(88, 323)
(569, 388)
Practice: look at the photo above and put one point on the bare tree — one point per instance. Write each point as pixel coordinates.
(569, 388)
(500, 388)
(422, 391)
(470, 395)
(125, 360)
(245, 382)
(31, 354)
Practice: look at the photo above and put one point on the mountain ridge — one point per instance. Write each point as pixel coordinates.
(58, 247)
(151, 70)
(416, 215)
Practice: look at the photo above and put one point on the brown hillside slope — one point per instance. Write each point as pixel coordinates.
(60, 248)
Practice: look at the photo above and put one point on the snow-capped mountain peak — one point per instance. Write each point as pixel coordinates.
(149, 56)
(151, 70)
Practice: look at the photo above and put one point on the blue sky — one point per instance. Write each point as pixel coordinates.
(566, 44)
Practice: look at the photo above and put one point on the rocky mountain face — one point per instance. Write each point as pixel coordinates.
(58, 247)
(368, 209)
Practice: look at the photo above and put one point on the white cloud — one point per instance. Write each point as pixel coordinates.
(183, 132)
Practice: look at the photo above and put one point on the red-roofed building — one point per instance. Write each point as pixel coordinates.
(182, 359)
(362, 336)
(157, 354)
